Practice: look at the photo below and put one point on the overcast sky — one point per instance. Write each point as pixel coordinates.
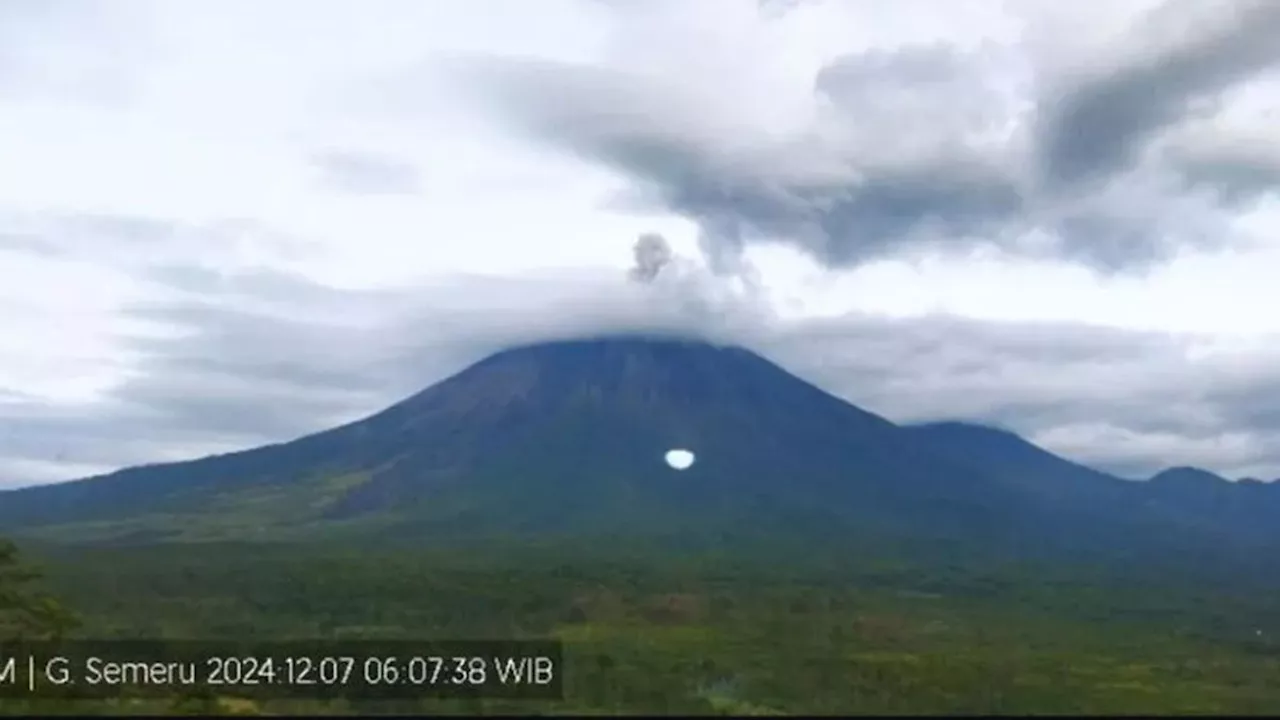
(227, 223)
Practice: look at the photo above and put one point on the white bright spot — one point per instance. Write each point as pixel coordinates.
(679, 459)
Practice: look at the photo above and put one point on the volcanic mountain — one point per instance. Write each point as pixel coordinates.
(566, 440)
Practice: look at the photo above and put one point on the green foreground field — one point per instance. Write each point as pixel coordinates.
(704, 636)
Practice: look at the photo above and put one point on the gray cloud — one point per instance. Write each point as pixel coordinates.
(912, 147)
(840, 207)
(25, 243)
(71, 233)
(1099, 125)
(1237, 173)
(139, 241)
(365, 173)
(199, 388)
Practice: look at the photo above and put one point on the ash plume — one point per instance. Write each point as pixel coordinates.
(652, 253)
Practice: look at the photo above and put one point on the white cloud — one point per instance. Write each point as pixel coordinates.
(226, 203)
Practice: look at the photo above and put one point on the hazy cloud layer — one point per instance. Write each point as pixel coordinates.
(265, 358)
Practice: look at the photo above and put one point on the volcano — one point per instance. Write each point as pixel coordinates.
(568, 439)
(560, 437)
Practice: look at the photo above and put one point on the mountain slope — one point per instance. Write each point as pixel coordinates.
(564, 440)
(1180, 500)
(1003, 453)
(1188, 478)
(561, 438)
(1191, 497)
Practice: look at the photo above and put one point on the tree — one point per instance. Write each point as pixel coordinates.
(27, 612)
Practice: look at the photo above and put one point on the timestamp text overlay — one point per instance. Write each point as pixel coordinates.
(511, 669)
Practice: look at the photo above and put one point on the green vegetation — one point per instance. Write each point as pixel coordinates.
(26, 611)
(699, 634)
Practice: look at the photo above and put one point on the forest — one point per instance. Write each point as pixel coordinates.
(666, 634)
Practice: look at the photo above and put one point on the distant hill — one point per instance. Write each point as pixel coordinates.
(1003, 453)
(1188, 477)
(565, 440)
(1248, 510)
(1080, 496)
(1180, 502)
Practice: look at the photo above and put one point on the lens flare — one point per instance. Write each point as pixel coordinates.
(680, 459)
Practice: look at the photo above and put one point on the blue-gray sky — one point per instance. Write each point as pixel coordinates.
(225, 223)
